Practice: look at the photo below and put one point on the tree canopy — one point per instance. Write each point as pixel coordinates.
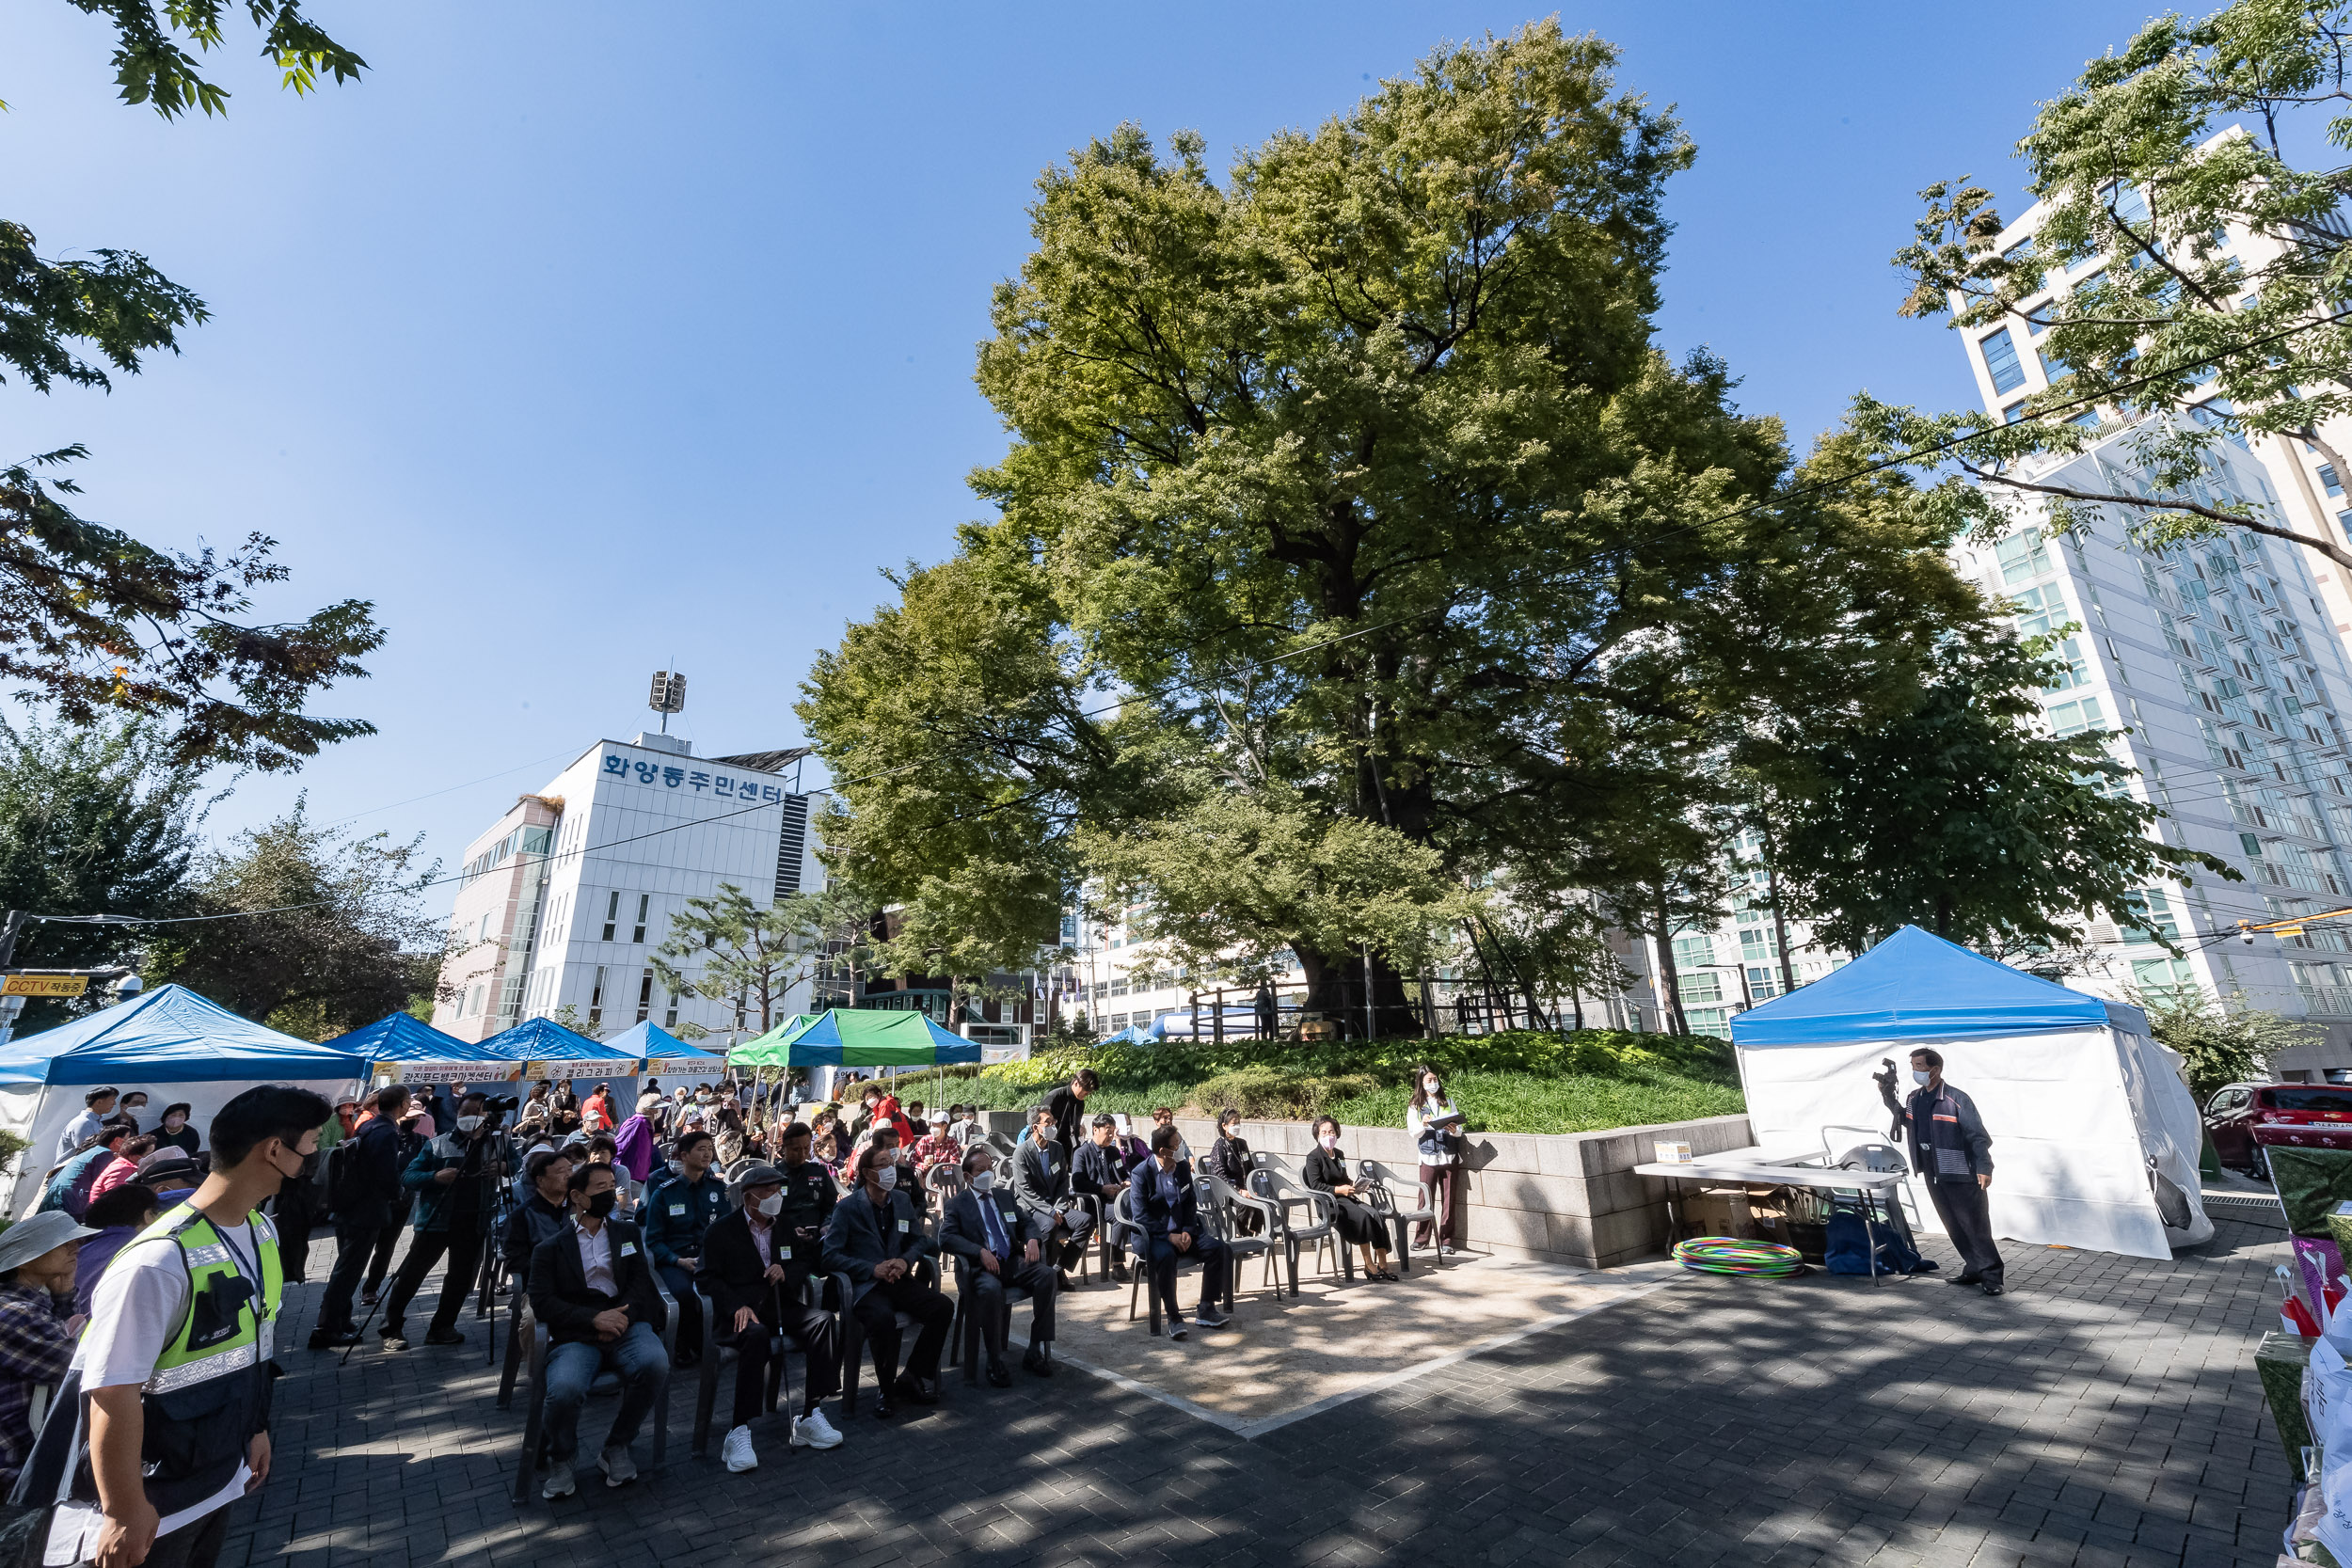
(1352, 518)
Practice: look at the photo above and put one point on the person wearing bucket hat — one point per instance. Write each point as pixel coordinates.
(37, 1328)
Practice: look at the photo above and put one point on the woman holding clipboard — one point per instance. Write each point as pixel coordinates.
(1436, 1128)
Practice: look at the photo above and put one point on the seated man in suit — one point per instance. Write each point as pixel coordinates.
(1161, 1198)
(877, 1239)
(592, 1286)
(1100, 1171)
(1041, 1181)
(995, 1238)
(756, 1264)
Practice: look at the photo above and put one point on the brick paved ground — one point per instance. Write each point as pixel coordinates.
(2105, 1412)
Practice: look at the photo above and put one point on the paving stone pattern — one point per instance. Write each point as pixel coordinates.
(2104, 1414)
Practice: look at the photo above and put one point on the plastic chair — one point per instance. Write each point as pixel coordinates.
(1377, 1177)
(1271, 1185)
(963, 1335)
(707, 1386)
(1139, 1244)
(1224, 1199)
(1876, 1155)
(529, 1330)
(853, 1334)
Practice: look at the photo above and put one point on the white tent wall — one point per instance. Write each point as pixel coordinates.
(43, 1112)
(2069, 1152)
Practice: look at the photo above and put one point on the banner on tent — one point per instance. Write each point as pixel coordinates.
(585, 1068)
(445, 1072)
(658, 1065)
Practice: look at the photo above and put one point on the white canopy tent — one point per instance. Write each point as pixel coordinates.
(2095, 1137)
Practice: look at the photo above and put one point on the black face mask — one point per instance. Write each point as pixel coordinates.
(600, 1206)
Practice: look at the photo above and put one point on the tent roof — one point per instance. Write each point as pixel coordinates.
(649, 1040)
(170, 1035)
(406, 1037)
(540, 1040)
(856, 1037)
(1914, 985)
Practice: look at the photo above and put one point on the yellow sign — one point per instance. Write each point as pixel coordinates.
(45, 984)
(661, 1065)
(541, 1069)
(384, 1073)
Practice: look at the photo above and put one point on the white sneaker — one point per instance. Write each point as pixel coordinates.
(559, 1482)
(619, 1470)
(813, 1431)
(737, 1451)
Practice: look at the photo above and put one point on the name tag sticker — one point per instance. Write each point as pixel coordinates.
(677, 1208)
(784, 1252)
(902, 1228)
(629, 1249)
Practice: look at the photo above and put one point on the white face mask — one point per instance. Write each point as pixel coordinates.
(677, 1167)
(467, 1124)
(1917, 1076)
(772, 1205)
(886, 1178)
(1329, 1140)
(983, 1180)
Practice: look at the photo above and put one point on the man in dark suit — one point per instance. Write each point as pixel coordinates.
(363, 1188)
(876, 1239)
(996, 1246)
(1160, 1196)
(757, 1264)
(592, 1286)
(1041, 1181)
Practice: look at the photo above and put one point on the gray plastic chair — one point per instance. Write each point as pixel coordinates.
(529, 1330)
(963, 1335)
(1269, 1183)
(1373, 1175)
(1223, 1201)
(1139, 1243)
(853, 1334)
(779, 1387)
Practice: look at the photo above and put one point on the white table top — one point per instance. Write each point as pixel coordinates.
(1765, 1173)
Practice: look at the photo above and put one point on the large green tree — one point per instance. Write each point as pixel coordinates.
(2141, 286)
(1350, 496)
(91, 619)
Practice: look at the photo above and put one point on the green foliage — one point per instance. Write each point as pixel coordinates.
(93, 822)
(2222, 1044)
(1959, 818)
(745, 952)
(1517, 1081)
(92, 621)
(328, 936)
(1357, 477)
(2176, 314)
(12, 1144)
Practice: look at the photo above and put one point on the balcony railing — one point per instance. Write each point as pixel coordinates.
(2326, 1000)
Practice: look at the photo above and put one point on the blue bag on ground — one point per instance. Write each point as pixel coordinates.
(1847, 1249)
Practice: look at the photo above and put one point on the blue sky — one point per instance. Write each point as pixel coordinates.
(584, 338)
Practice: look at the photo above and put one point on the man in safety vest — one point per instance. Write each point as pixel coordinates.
(172, 1378)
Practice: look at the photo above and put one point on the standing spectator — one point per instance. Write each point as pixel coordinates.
(1160, 1196)
(112, 1220)
(678, 1210)
(1435, 1126)
(1041, 1181)
(134, 1109)
(1325, 1171)
(759, 1265)
(593, 1287)
(415, 1126)
(1230, 1162)
(96, 1105)
(176, 1130)
(1953, 1152)
(596, 1116)
(456, 1178)
(632, 1144)
(362, 1185)
(875, 1238)
(1068, 1107)
(38, 1324)
(996, 1246)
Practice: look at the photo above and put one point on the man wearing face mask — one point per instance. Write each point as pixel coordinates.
(1951, 1151)
(1041, 1181)
(995, 1245)
(593, 1287)
(759, 1264)
(682, 1203)
(453, 1177)
(539, 1218)
(876, 1239)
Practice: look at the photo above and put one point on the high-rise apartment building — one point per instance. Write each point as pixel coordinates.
(563, 898)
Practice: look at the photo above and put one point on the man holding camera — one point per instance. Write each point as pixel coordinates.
(456, 1178)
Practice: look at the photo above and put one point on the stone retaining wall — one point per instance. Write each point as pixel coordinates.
(1554, 1197)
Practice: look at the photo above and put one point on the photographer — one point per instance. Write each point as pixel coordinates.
(456, 1178)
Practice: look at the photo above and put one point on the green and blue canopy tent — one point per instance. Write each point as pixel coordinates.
(855, 1037)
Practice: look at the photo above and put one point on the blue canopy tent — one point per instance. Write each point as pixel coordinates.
(403, 1047)
(541, 1039)
(1132, 1035)
(663, 1051)
(172, 1043)
(2094, 1134)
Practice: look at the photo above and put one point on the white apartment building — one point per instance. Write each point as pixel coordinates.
(1113, 983)
(564, 898)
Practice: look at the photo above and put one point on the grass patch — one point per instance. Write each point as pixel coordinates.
(1518, 1082)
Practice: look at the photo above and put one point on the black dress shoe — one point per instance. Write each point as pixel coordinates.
(918, 1390)
(1990, 1289)
(1965, 1279)
(999, 1376)
(333, 1339)
(885, 1410)
(443, 1337)
(1036, 1362)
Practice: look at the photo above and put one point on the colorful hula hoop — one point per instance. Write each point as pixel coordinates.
(1728, 1255)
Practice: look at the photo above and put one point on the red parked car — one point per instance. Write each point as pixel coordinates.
(2242, 1117)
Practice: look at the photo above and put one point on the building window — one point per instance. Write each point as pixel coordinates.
(2001, 361)
(1762, 982)
(2022, 555)
(2073, 717)
(2014, 412)
(2328, 481)
(611, 914)
(2152, 916)
(595, 999)
(1704, 986)
(644, 997)
(669, 1012)
(1692, 951)
(644, 902)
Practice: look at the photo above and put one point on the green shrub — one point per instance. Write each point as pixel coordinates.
(1265, 1091)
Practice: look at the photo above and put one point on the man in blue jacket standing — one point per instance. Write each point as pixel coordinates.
(1950, 1151)
(682, 1201)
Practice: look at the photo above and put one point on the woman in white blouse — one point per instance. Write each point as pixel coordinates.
(1436, 1128)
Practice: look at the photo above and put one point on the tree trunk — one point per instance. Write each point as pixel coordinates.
(1669, 985)
(1335, 989)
